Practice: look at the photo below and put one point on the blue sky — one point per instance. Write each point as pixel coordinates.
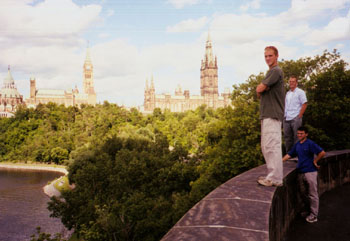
(134, 40)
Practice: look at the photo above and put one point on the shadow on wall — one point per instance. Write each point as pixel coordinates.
(242, 210)
(286, 203)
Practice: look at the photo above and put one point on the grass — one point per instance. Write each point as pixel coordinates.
(74, 237)
(62, 184)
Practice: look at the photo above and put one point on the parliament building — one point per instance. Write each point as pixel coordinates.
(182, 100)
(10, 98)
(66, 97)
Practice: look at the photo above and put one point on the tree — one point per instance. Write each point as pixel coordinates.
(58, 155)
(126, 189)
(45, 236)
(326, 81)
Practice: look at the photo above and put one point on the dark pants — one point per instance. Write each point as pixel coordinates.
(290, 129)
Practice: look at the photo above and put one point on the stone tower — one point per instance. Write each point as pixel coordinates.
(32, 87)
(209, 76)
(150, 96)
(88, 81)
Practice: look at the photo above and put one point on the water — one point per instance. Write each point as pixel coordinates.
(23, 204)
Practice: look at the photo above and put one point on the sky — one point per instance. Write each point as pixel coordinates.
(131, 41)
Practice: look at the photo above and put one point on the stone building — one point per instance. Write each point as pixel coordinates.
(66, 97)
(182, 100)
(10, 98)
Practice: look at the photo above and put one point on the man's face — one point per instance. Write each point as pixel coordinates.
(301, 135)
(270, 58)
(293, 83)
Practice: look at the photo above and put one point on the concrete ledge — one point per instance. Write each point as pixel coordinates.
(240, 209)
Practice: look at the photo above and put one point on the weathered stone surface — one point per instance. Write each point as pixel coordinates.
(242, 210)
(233, 213)
(192, 233)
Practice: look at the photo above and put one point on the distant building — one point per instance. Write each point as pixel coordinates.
(183, 101)
(66, 97)
(10, 98)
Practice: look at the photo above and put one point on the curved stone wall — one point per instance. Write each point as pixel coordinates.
(242, 210)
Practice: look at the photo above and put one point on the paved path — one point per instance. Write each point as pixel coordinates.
(50, 189)
(333, 222)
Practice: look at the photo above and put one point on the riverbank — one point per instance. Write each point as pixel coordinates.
(33, 166)
(49, 189)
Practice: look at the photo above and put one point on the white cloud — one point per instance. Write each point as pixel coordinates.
(242, 60)
(239, 29)
(190, 25)
(120, 68)
(305, 9)
(52, 67)
(104, 35)
(182, 3)
(286, 26)
(115, 58)
(44, 40)
(110, 12)
(337, 30)
(48, 44)
(339, 46)
(48, 19)
(255, 4)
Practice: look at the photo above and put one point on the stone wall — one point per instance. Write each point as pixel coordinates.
(242, 210)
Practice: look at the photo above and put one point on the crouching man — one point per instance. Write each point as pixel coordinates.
(307, 166)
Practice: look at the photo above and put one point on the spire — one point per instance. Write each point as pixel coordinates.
(208, 51)
(152, 83)
(88, 57)
(8, 81)
(146, 84)
(88, 81)
(9, 88)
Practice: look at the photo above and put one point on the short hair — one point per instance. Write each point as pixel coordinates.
(303, 128)
(294, 77)
(275, 50)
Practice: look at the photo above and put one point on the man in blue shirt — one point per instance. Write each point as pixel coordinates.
(307, 167)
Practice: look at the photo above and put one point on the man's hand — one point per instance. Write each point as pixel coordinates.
(319, 157)
(286, 157)
(261, 88)
(302, 110)
(316, 165)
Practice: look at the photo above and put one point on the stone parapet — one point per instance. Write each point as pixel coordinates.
(242, 210)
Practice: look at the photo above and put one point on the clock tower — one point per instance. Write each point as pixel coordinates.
(209, 76)
(88, 81)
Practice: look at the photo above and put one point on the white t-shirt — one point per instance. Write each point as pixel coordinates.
(294, 100)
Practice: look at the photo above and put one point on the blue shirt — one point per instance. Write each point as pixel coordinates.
(305, 152)
(293, 103)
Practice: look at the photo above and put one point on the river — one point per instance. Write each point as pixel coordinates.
(23, 204)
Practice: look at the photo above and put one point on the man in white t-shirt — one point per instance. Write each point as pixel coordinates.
(295, 106)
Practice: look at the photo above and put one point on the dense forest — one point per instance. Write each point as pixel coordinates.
(135, 175)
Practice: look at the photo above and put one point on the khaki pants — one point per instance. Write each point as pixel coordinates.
(308, 191)
(271, 146)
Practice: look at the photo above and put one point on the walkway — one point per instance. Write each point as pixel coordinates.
(333, 222)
